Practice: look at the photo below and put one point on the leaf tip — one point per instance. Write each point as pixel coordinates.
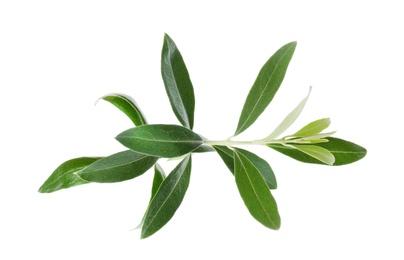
(167, 37)
(98, 99)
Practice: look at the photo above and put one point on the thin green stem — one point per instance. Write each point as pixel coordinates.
(284, 140)
(229, 142)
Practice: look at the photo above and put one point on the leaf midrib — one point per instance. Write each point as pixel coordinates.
(120, 165)
(164, 140)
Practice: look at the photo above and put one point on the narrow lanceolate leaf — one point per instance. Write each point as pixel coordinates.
(127, 105)
(118, 167)
(313, 128)
(65, 176)
(177, 83)
(289, 119)
(158, 179)
(345, 152)
(265, 86)
(317, 152)
(167, 199)
(160, 140)
(263, 167)
(255, 192)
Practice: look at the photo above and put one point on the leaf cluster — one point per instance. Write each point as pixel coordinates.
(148, 143)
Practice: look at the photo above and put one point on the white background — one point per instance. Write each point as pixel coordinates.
(58, 57)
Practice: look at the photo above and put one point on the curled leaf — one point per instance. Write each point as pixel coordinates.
(127, 105)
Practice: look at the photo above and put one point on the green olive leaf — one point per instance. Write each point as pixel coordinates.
(127, 105)
(255, 192)
(265, 86)
(263, 167)
(65, 176)
(168, 198)
(118, 167)
(160, 140)
(159, 176)
(227, 156)
(177, 83)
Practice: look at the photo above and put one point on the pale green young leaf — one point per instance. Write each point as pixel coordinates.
(317, 138)
(317, 152)
(177, 83)
(289, 119)
(265, 86)
(313, 128)
(65, 176)
(167, 199)
(255, 192)
(118, 167)
(308, 141)
(160, 140)
(127, 105)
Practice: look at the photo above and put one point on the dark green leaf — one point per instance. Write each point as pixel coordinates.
(344, 152)
(177, 83)
(158, 179)
(167, 199)
(227, 156)
(127, 105)
(118, 167)
(65, 176)
(263, 167)
(255, 192)
(160, 140)
(204, 149)
(265, 86)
